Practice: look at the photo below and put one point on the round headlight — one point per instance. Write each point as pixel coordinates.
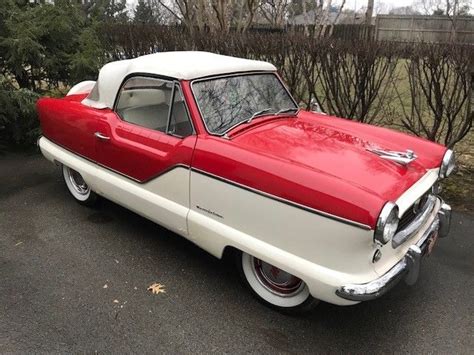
(387, 223)
(447, 165)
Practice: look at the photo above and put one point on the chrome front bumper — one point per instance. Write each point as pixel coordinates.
(407, 268)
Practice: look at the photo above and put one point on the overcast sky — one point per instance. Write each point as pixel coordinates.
(352, 4)
(381, 6)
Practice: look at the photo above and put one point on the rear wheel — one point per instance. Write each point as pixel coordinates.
(273, 286)
(78, 188)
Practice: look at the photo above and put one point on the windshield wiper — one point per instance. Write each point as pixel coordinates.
(254, 115)
(286, 110)
(258, 113)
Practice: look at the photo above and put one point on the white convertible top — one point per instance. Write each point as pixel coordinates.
(178, 65)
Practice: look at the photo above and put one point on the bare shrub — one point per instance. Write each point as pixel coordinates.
(438, 106)
(353, 78)
(358, 80)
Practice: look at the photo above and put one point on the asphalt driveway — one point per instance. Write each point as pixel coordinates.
(75, 279)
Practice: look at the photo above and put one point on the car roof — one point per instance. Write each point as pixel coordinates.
(185, 65)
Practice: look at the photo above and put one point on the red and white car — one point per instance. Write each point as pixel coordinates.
(215, 148)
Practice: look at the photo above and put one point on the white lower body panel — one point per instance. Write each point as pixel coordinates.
(323, 252)
(156, 200)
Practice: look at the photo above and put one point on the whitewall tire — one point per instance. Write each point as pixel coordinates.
(78, 188)
(273, 286)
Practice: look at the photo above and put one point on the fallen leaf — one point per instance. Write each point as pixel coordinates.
(105, 286)
(157, 288)
(116, 301)
(17, 244)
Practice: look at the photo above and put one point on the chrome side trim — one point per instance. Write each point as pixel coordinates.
(262, 193)
(407, 268)
(405, 234)
(283, 200)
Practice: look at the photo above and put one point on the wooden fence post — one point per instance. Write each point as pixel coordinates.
(470, 97)
(376, 33)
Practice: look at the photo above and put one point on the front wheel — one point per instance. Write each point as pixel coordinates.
(78, 188)
(273, 286)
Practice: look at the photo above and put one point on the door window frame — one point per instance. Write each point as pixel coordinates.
(176, 83)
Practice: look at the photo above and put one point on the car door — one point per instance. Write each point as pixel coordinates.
(149, 139)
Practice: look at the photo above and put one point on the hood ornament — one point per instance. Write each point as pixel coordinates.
(403, 158)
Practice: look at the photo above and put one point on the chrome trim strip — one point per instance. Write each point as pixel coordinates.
(283, 200)
(262, 193)
(170, 109)
(406, 233)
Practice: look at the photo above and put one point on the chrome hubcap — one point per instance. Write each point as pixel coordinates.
(276, 280)
(78, 182)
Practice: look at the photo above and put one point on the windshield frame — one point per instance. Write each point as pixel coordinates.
(230, 75)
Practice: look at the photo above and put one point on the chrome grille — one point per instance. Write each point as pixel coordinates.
(412, 212)
(421, 211)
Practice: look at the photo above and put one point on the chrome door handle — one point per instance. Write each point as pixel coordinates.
(101, 136)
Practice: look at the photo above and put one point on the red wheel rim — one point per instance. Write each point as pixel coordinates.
(275, 279)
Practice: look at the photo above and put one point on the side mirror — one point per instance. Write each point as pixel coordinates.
(315, 107)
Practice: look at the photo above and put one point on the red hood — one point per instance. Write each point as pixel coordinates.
(322, 162)
(338, 148)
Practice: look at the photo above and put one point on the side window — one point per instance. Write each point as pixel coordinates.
(145, 102)
(180, 124)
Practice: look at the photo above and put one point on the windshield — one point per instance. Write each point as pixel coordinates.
(226, 102)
